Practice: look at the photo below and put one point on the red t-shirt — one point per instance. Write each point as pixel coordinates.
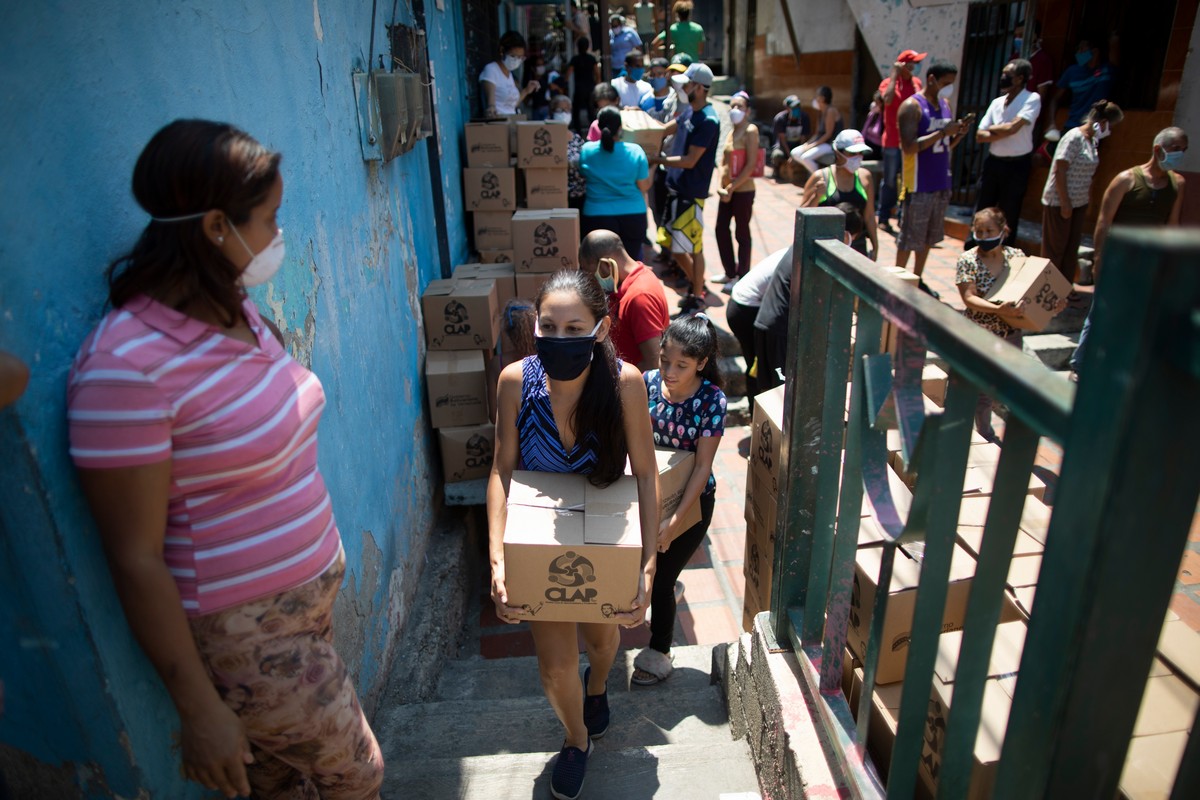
(640, 308)
(904, 89)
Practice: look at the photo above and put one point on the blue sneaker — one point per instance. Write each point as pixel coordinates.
(595, 709)
(566, 782)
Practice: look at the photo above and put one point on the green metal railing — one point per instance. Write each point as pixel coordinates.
(1122, 508)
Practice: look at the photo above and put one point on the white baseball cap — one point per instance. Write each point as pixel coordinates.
(851, 141)
(696, 73)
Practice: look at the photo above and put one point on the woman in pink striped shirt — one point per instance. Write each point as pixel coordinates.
(195, 436)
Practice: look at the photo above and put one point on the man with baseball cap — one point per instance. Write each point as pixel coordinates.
(689, 176)
(847, 181)
(790, 129)
(896, 88)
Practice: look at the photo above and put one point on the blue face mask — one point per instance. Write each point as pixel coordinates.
(635, 73)
(1171, 160)
(1083, 58)
(658, 83)
(566, 357)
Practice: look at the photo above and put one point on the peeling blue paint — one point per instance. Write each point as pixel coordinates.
(86, 91)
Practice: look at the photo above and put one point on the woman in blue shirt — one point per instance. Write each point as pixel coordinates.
(618, 177)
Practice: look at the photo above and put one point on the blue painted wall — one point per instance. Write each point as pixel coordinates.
(85, 86)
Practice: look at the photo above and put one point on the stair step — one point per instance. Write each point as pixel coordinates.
(460, 728)
(695, 771)
(1052, 349)
(479, 678)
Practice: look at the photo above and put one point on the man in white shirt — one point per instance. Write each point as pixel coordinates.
(629, 85)
(1007, 127)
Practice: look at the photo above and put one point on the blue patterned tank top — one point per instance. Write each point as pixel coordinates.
(542, 449)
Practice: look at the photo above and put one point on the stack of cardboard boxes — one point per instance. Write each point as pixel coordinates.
(515, 185)
(462, 326)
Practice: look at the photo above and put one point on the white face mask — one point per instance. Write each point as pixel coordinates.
(264, 265)
(562, 116)
(816, 104)
(1101, 132)
(853, 163)
(736, 115)
(680, 92)
(946, 91)
(512, 63)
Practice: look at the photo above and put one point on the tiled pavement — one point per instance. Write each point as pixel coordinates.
(710, 607)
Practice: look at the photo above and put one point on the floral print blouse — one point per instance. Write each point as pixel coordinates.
(681, 425)
(971, 270)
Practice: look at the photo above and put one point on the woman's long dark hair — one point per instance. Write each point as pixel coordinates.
(609, 122)
(697, 337)
(188, 168)
(598, 413)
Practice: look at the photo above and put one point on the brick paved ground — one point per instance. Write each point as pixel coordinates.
(710, 608)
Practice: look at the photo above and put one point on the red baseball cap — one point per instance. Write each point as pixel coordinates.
(911, 56)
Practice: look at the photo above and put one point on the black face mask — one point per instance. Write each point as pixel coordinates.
(566, 357)
(1006, 81)
(988, 245)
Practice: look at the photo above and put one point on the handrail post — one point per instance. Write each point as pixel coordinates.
(1124, 504)
(807, 345)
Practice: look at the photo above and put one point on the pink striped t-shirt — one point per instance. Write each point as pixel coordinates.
(248, 515)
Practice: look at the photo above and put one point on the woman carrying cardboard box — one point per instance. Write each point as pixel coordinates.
(574, 408)
(687, 409)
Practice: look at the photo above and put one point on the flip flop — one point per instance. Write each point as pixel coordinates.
(655, 664)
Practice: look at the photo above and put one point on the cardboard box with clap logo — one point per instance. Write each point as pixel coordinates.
(502, 274)
(545, 240)
(902, 600)
(572, 551)
(1037, 285)
(993, 715)
(461, 314)
(766, 438)
(542, 144)
(545, 188)
(457, 386)
(489, 188)
(758, 565)
(674, 469)
(487, 144)
(493, 230)
(467, 452)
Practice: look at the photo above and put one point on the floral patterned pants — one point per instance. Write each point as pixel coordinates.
(273, 662)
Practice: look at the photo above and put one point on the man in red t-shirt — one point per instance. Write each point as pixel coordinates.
(635, 298)
(896, 88)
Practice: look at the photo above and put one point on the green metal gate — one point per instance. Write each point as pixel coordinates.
(1122, 509)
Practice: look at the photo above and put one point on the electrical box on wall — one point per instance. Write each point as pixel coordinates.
(401, 108)
(394, 108)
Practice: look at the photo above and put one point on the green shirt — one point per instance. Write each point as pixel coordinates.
(687, 36)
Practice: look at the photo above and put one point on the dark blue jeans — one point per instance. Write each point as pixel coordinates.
(893, 159)
(1076, 360)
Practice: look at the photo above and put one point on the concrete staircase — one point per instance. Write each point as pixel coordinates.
(490, 733)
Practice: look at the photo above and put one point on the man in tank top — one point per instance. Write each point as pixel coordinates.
(928, 134)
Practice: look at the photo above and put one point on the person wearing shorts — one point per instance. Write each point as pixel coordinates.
(928, 134)
(689, 176)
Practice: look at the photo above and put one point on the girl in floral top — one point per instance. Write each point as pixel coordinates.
(977, 271)
(687, 412)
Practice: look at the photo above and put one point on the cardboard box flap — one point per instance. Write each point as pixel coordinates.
(1168, 705)
(1151, 765)
(448, 362)
(1023, 571)
(555, 490)
(1180, 647)
(962, 566)
(611, 513)
(542, 526)
(1007, 647)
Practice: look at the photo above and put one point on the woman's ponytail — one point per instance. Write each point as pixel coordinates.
(609, 122)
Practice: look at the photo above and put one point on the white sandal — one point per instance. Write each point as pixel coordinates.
(657, 665)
